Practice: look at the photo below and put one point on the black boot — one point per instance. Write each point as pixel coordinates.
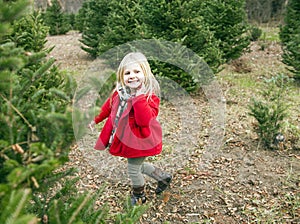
(138, 196)
(163, 184)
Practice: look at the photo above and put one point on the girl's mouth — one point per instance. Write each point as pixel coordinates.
(133, 83)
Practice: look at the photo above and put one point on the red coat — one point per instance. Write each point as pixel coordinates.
(138, 134)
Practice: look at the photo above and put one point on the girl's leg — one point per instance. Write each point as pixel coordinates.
(134, 171)
(137, 180)
(163, 178)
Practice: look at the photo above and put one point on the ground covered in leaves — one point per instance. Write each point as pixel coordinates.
(240, 182)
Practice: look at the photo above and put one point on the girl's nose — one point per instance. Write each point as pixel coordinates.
(131, 74)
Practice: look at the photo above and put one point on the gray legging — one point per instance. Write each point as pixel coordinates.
(137, 167)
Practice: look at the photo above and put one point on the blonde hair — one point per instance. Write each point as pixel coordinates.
(151, 84)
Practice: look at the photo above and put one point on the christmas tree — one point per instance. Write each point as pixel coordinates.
(290, 37)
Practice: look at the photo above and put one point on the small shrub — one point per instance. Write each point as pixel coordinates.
(255, 33)
(270, 111)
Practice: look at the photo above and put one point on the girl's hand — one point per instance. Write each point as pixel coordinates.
(92, 125)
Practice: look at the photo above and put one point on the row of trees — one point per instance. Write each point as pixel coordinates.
(257, 10)
(216, 30)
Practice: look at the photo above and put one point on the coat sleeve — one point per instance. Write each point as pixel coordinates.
(105, 109)
(145, 110)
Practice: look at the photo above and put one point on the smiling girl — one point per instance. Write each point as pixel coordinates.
(131, 129)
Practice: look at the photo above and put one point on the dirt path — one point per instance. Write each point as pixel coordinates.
(241, 184)
(67, 52)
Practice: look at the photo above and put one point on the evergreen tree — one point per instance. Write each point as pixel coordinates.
(175, 21)
(124, 24)
(36, 130)
(30, 149)
(56, 19)
(179, 21)
(270, 111)
(290, 37)
(228, 21)
(12, 201)
(92, 18)
(30, 32)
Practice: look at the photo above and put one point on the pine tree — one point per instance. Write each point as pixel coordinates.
(270, 110)
(179, 22)
(228, 21)
(56, 19)
(30, 32)
(290, 37)
(124, 24)
(33, 93)
(175, 21)
(12, 201)
(92, 16)
(36, 130)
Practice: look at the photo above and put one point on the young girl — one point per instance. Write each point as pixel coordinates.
(131, 130)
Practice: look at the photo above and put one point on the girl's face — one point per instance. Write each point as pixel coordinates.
(134, 76)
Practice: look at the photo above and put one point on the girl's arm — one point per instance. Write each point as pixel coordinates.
(105, 109)
(145, 110)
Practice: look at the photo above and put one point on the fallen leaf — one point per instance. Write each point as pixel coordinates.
(166, 197)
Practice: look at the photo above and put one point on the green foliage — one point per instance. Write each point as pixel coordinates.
(195, 24)
(91, 21)
(36, 131)
(106, 87)
(70, 20)
(30, 33)
(124, 24)
(132, 214)
(56, 19)
(78, 209)
(179, 21)
(182, 78)
(10, 11)
(64, 204)
(290, 37)
(11, 58)
(15, 212)
(227, 20)
(29, 149)
(255, 33)
(270, 111)
(27, 154)
(12, 200)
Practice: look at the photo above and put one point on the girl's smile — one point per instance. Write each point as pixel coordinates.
(133, 76)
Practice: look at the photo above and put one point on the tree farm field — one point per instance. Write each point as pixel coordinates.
(243, 183)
